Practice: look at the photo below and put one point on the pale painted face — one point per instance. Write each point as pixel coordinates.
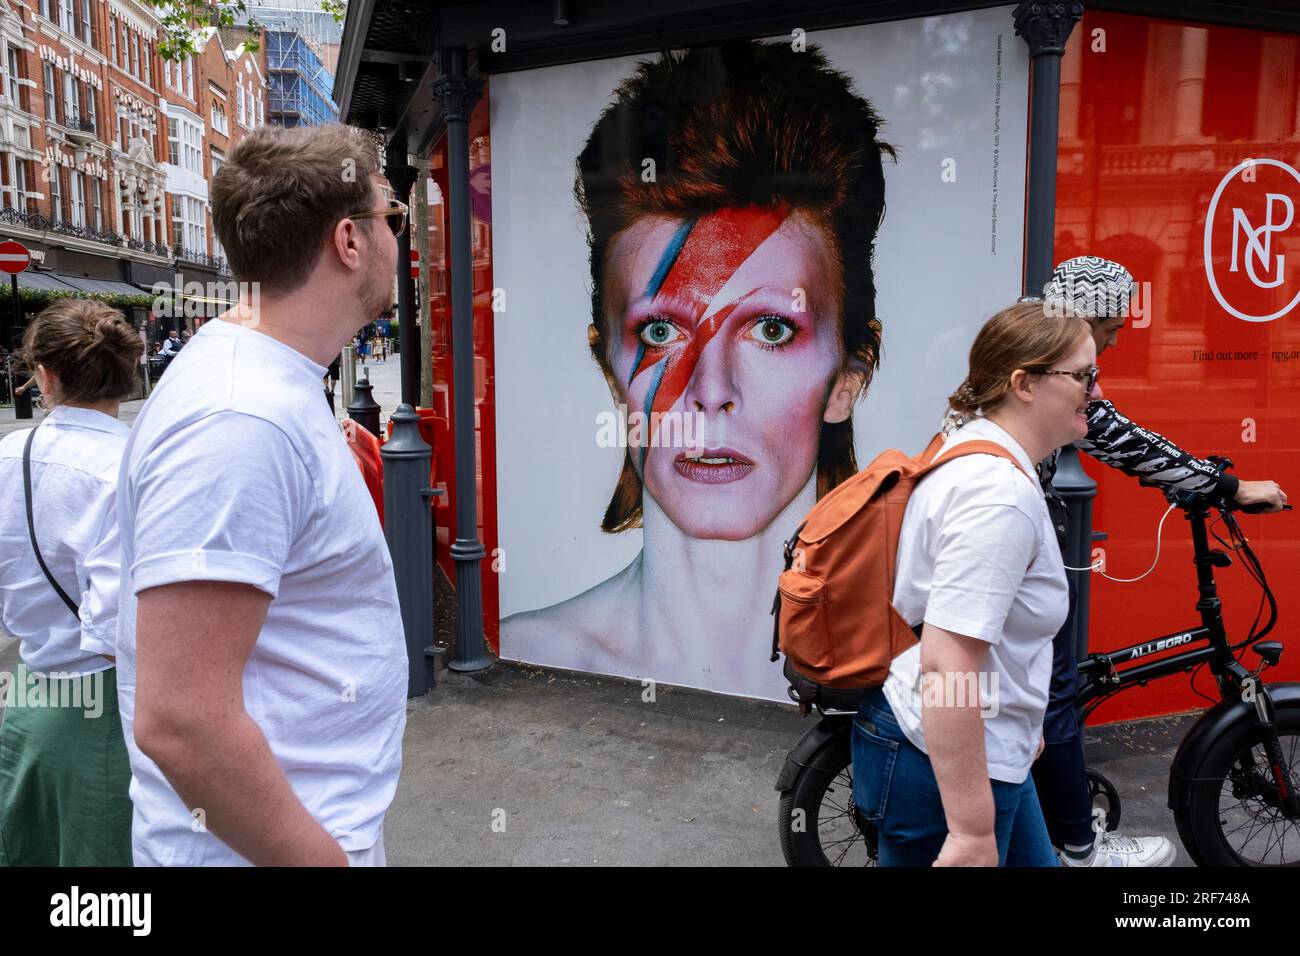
(735, 319)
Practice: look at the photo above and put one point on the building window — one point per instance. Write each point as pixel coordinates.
(51, 95)
(85, 22)
(112, 38)
(12, 76)
(90, 109)
(148, 56)
(125, 48)
(78, 199)
(20, 185)
(96, 212)
(173, 142)
(261, 116)
(69, 100)
(218, 160)
(56, 192)
(189, 77)
(167, 73)
(66, 19)
(45, 9)
(239, 101)
(135, 53)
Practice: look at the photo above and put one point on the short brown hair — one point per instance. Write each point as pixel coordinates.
(90, 347)
(1023, 336)
(744, 123)
(280, 194)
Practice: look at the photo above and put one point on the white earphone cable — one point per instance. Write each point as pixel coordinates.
(1097, 565)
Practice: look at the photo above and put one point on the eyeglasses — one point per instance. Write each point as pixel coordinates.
(1088, 378)
(394, 215)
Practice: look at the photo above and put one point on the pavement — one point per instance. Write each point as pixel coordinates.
(526, 766)
(522, 765)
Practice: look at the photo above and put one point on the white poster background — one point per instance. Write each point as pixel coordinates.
(939, 274)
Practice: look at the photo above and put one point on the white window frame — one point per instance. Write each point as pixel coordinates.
(97, 205)
(189, 77)
(51, 95)
(67, 18)
(78, 190)
(56, 193)
(69, 98)
(112, 38)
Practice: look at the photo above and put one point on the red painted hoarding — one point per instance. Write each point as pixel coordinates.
(1179, 151)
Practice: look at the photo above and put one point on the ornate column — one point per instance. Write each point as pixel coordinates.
(458, 93)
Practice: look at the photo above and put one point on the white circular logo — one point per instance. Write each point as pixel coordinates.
(1252, 253)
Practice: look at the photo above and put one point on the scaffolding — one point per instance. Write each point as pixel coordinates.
(300, 39)
(299, 84)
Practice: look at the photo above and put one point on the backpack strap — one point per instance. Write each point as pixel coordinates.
(978, 446)
(31, 524)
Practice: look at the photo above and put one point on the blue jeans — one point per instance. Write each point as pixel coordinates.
(894, 787)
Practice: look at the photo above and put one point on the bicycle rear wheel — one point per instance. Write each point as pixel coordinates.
(818, 822)
(1234, 816)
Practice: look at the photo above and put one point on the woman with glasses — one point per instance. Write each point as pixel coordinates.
(942, 751)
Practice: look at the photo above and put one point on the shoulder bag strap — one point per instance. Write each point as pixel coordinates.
(31, 525)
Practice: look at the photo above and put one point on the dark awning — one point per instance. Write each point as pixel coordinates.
(45, 281)
(106, 286)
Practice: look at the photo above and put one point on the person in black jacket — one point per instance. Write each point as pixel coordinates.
(1100, 291)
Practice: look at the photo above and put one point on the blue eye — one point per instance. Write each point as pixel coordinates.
(659, 333)
(772, 332)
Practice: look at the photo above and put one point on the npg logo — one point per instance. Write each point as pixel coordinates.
(1249, 226)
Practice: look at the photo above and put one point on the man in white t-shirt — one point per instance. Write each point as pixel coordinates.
(262, 668)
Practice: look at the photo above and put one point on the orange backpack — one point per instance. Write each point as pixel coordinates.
(834, 616)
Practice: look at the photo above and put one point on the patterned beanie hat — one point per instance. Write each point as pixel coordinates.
(1091, 287)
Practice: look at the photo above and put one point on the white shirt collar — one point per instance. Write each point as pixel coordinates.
(76, 417)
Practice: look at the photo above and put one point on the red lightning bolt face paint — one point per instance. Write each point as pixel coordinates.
(699, 260)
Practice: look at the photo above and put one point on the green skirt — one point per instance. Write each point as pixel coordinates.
(64, 773)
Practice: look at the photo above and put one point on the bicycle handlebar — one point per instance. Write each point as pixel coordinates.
(1191, 499)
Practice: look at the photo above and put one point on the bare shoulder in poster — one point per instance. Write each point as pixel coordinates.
(733, 319)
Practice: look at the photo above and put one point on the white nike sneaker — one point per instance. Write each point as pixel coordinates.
(1111, 849)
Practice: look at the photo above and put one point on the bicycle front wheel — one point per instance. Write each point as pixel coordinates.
(1234, 816)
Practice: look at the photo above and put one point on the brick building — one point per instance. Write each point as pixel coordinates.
(106, 149)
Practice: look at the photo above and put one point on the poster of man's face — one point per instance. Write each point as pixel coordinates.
(734, 275)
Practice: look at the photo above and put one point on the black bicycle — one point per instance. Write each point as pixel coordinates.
(1233, 782)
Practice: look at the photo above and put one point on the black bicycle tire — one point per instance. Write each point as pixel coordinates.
(809, 787)
(1199, 824)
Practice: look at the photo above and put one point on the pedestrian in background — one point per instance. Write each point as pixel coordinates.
(64, 774)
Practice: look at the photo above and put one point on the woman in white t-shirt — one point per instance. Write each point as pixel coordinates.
(942, 752)
(63, 764)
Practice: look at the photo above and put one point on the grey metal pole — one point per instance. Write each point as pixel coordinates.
(23, 400)
(401, 175)
(348, 374)
(408, 526)
(1045, 27)
(458, 93)
(364, 410)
